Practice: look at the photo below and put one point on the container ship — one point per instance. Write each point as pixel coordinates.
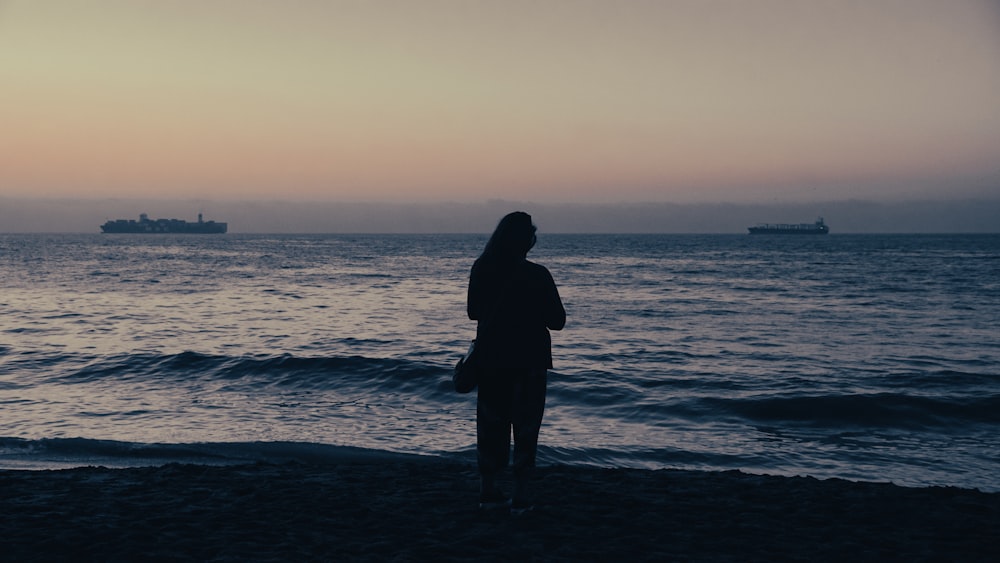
(817, 228)
(147, 225)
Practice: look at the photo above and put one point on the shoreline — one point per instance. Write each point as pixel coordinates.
(408, 509)
(45, 454)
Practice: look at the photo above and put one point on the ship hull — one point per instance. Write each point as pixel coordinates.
(203, 229)
(774, 231)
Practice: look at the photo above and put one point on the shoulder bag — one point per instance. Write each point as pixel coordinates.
(466, 375)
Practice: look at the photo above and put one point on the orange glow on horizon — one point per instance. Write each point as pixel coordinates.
(456, 101)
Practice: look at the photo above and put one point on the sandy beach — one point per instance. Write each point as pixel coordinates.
(414, 509)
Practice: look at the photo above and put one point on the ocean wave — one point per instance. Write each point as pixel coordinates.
(58, 453)
(283, 370)
(936, 381)
(641, 458)
(885, 410)
(62, 453)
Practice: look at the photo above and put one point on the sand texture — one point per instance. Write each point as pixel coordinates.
(426, 510)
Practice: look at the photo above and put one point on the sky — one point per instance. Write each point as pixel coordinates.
(584, 101)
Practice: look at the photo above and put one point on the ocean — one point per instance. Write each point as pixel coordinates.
(862, 357)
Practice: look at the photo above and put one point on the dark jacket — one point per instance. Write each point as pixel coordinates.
(516, 304)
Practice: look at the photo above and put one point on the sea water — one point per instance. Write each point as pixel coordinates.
(862, 357)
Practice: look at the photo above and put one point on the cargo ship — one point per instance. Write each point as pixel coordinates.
(147, 225)
(817, 228)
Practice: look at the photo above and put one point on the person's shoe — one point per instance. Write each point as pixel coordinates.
(521, 508)
(493, 499)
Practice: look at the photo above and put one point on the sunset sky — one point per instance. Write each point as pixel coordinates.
(464, 100)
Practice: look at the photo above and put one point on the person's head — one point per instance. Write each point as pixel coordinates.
(512, 239)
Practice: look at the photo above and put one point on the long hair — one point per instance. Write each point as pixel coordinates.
(511, 240)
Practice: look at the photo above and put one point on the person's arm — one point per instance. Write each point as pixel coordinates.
(474, 301)
(553, 312)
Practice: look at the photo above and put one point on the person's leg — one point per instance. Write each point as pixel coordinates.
(529, 407)
(493, 413)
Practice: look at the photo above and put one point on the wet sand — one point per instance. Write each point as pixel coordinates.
(411, 509)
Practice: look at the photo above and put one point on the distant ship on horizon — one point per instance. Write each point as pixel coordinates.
(147, 225)
(817, 228)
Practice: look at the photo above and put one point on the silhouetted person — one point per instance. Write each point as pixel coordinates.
(516, 303)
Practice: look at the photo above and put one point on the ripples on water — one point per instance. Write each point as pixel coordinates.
(867, 357)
